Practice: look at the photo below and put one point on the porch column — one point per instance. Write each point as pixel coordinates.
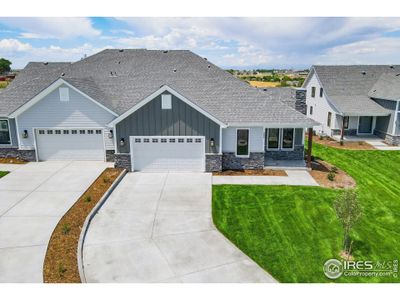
(309, 148)
(342, 130)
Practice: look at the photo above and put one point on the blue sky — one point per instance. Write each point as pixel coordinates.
(228, 42)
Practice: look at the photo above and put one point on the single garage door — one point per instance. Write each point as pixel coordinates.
(167, 153)
(70, 144)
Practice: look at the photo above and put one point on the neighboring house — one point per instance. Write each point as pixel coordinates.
(146, 110)
(355, 100)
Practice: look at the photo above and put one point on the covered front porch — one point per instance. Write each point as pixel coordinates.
(350, 125)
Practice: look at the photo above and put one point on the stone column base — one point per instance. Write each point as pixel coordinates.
(123, 160)
(27, 155)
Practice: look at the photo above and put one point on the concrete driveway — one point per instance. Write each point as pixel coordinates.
(33, 198)
(157, 227)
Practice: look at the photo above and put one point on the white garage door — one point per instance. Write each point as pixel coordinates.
(70, 144)
(167, 153)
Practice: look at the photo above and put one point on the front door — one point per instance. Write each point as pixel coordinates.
(365, 125)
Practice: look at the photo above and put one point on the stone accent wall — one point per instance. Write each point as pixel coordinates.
(301, 105)
(390, 139)
(110, 155)
(347, 132)
(231, 162)
(123, 160)
(213, 162)
(296, 154)
(27, 155)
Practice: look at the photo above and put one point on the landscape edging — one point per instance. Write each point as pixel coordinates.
(87, 223)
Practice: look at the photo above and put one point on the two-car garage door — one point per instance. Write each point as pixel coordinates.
(70, 144)
(167, 153)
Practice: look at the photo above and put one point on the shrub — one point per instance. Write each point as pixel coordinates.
(334, 170)
(331, 176)
(61, 269)
(88, 199)
(106, 180)
(321, 137)
(65, 229)
(341, 143)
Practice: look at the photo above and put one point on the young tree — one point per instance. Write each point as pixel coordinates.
(4, 65)
(349, 211)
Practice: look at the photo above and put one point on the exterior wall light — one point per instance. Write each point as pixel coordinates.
(25, 134)
(212, 142)
(122, 142)
(110, 134)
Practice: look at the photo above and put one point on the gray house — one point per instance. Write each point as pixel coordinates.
(355, 100)
(148, 110)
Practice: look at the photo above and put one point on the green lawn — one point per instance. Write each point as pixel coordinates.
(292, 231)
(3, 173)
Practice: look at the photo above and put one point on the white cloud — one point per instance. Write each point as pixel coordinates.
(55, 28)
(13, 45)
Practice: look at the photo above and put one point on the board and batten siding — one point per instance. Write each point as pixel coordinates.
(50, 112)
(385, 123)
(180, 120)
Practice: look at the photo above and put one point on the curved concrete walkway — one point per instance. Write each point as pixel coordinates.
(33, 198)
(157, 227)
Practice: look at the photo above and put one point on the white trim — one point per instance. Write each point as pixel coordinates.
(115, 139)
(396, 114)
(274, 125)
(34, 129)
(9, 132)
(358, 126)
(303, 133)
(151, 97)
(220, 140)
(279, 140)
(17, 130)
(248, 143)
(52, 87)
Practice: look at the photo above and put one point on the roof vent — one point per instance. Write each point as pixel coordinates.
(265, 90)
(209, 66)
(174, 70)
(397, 74)
(392, 67)
(165, 51)
(205, 58)
(62, 74)
(121, 50)
(363, 72)
(119, 62)
(46, 63)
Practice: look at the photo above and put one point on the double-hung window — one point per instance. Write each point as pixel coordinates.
(313, 91)
(287, 138)
(273, 138)
(242, 142)
(280, 139)
(4, 133)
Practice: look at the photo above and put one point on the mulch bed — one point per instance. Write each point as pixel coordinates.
(10, 160)
(320, 171)
(327, 141)
(264, 172)
(61, 262)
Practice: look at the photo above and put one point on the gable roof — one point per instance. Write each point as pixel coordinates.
(348, 86)
(387, 87)
(120, 79)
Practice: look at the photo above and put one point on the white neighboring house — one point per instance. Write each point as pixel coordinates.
(354, 100)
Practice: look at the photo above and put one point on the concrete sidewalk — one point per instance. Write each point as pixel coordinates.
(33, 198)
(295, 177)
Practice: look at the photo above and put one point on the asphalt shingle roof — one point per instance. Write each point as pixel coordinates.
(348, 86)
(119, 79)
(387, 87)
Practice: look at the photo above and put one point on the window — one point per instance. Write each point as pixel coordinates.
(313, 92)
(287, 138)
(242, 142)
(321, 92)
(181, 140)
(346, 122)
(189, 140)
(172, 140)
(273, 138)
(98, 131)
(138, 140)
(163, 140)
(64, 94)
(166, 101)
(66, 132)
(154, 140)
(311, 110)
(81, 131)
(329, 119)
(90, 131)
(4, 133)
(146, 140)
(197, 140)
(49, 131)
(58, 131)
(41, 131)
(74, 131)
